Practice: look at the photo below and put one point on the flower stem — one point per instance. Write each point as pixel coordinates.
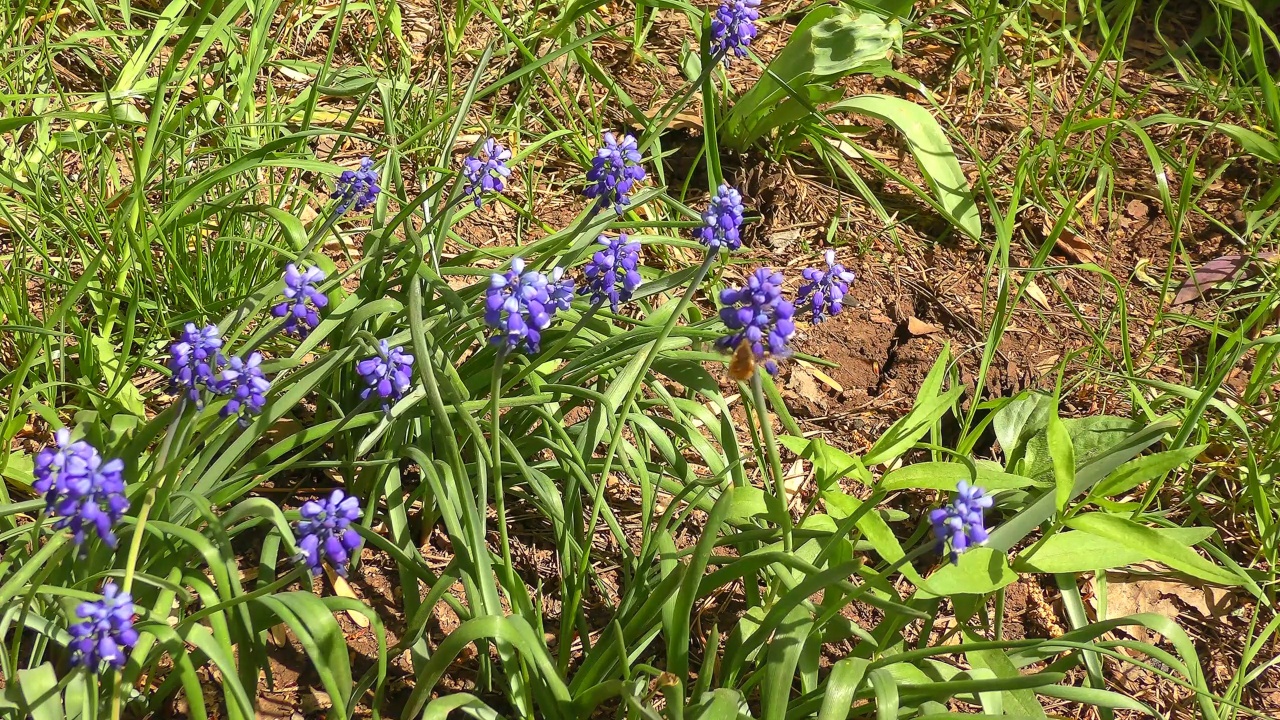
(775, 463)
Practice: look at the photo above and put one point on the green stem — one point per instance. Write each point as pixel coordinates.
(495, 454)
(624, 408)
(775, 463)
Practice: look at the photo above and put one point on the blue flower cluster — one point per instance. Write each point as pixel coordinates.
(325, 533)
(614, 171)
(961, 522)
(105, 633)
(197, 363)
(733, 27)
(80, 489)
(389, 374)
(486, 175)
(758, 315)
(611, 272)
(519, 304)
(193, 359)
(245, 382)
(299, 287)
(824, 290)
(722, 220)
(356, 188)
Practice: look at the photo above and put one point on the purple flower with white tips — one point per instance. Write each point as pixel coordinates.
(245, 382)
(758, 314)
(519, 305)
(486, 174)
(614, 170)
(356, 188)
(81, 490)
(611, 272)
(961, 522)
(560, 290)
(389, 374)
(105, 633)
(325, 533)
(824, 290)
(299, 288)
(733, 27)
(722, 220)
(193, 358)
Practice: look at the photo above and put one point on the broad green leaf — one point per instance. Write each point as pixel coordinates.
(38, 693)
(1089, 437)
(1073, 551)
(830, 42)
(1145, 469)
(945, 475)
(1063, 456)
(1019, 420)
(979, 570)
(1158, 546)
(932, 151)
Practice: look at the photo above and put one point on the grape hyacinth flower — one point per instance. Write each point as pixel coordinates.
(961, 521)
(560, 290)
(325, 533)
(80, 489)
(245, 382)
(824, 290)
(759, 315)
(358, 188)
(611, 272)
(721, 220)
(106, 634)
(299, 287)
(193, 358)
(388, 374)
(614, 170)
(487, 174)
(733, 26)
(518, 306)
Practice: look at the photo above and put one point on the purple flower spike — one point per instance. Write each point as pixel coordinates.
(193, 358)
(356, 187)
(519, 305)
(824, 290)
(961, 521)
(733, 27)
(299, 287)
(614, 170)
(760, 315)
(389, 374)
(325, 533)
(245, 382)
(721, 220)
(611, 272)
(79, 489)
(105, 634)
(486, 174)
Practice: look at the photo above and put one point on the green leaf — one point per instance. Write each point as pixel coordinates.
(979, 570)
(1090, 436)
(1063, 456)
(1019, 420)
(38, 693)
(831, 42)
(1161, 547)
(318, 632)
(1145, 469)
(1076, 552)
(945, 475)
(1088, 474)
(932, 151)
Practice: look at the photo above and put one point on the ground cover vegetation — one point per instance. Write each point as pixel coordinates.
(646, 359)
